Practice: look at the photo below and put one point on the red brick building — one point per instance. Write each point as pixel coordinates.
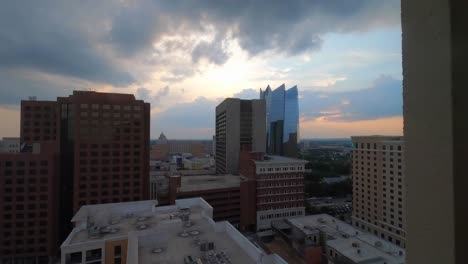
(100, 143)
(104, 143)
(273, 189)
(29, 205)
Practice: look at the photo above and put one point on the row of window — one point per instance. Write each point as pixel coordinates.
(280, 191)
(113, 200)
(23, 163)
(280, 199)
(107, 115)
(108, 107)
(281, 169)
(384, 147)
(280, 176)
(281, 206)
(279, 184)
(108, 192)
(280, 215)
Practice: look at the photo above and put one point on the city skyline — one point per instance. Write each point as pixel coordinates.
(185, 60)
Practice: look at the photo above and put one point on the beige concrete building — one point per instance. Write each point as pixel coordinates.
(238, 123)
(379, 187)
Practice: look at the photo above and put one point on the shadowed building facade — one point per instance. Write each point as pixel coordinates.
(282, 116)
(102, 140)
(238, 123)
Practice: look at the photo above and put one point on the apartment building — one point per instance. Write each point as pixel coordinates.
(379, 187)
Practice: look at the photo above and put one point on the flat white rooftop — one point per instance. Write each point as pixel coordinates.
(166, 234)
(346, 240)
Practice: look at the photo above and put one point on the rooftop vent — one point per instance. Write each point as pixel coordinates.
(142, 227)
(184, 234)
(355, 244)
(142, 218)
(114, 221)
(194, 232)
(157, 250)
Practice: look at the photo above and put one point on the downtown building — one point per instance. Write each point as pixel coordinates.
(379, 192)
(282, 117)
(273, 189)
(238, 123)
(143, 232)
(100, 154)
(29, 205)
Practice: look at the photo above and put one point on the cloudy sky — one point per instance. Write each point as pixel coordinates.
(184, 57)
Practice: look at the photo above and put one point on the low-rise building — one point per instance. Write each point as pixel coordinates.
(141, 232)
(273, 189)
(324, 239)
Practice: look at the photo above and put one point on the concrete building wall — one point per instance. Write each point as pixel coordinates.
(435, 81)
(229, 121)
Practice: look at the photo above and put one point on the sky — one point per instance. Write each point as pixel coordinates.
(185, 57)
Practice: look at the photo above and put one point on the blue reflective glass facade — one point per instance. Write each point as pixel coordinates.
(282, 120)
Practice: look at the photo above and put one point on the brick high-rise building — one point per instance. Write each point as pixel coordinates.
(103, 141)
(274, 189)
(379, 187)
(29, 205)
(39, 121)
(238, 123)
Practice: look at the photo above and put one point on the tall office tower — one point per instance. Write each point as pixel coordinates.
(29, 205)
(238, 122)
(379, 189)
(282, 108)
(103, 141)
(273, 189)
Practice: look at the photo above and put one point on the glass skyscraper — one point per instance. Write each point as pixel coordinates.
(282, 120)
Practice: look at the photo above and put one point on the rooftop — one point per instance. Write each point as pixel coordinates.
(378, 137)
(166, 234)
(346, 240)
(208, 182)
(279, 160)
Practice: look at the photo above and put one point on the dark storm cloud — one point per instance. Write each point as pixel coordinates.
(89, 39)
(51, 36)
(17, 86)
(212, 51)
(290, 27)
